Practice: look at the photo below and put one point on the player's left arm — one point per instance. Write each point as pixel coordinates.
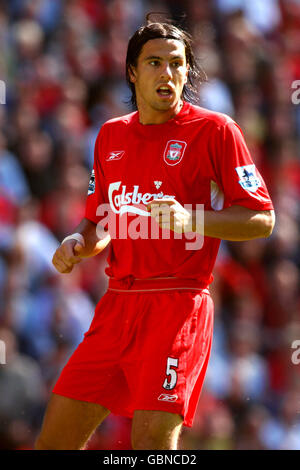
(235, 223)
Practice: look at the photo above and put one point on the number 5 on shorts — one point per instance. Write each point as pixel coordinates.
(171, 362)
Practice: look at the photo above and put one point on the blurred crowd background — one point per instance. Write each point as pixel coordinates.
(63, 66)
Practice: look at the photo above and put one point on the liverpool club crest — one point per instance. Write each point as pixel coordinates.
(174, 151)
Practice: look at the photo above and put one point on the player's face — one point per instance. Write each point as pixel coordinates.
(159, 78)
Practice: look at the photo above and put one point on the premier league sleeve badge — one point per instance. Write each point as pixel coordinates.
(91, 188)
(248, 178)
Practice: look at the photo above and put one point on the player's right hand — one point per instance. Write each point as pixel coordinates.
(67, 255)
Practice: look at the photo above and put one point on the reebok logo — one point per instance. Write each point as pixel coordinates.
(115, 155)
(166, 397)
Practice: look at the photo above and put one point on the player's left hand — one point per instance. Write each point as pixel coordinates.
(170, 214)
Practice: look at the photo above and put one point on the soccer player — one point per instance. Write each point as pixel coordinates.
(146, 352)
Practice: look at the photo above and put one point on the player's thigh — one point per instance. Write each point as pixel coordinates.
(155, 429)
(69, 423)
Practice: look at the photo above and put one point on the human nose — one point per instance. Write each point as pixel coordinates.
(166, 71)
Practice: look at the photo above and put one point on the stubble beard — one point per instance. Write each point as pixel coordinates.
(157, 105)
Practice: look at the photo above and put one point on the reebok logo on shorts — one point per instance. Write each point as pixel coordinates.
(165, 397)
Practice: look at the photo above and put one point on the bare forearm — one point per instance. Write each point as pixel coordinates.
(93, 245)
(237, 223)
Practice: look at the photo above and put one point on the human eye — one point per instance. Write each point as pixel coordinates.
(154, 62)
(176, 64)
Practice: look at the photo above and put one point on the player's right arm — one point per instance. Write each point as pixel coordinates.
(73, 250)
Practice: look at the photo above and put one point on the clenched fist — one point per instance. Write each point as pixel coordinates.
(170, 214)
(67, 255)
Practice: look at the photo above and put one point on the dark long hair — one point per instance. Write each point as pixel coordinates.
(158, 30)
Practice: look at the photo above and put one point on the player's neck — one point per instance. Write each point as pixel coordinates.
(149, 116)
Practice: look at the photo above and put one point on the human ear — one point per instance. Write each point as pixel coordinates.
(187, 73)
(131, 73)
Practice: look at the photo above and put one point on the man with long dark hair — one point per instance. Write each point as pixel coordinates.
(147, 349)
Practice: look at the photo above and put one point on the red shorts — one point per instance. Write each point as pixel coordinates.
(145, 350)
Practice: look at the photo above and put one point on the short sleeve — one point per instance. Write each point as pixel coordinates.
(236, 173)
(96, 188)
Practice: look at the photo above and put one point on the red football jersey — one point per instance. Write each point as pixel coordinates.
(198, 157)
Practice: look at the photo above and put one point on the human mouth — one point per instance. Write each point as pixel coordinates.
(164, 91)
